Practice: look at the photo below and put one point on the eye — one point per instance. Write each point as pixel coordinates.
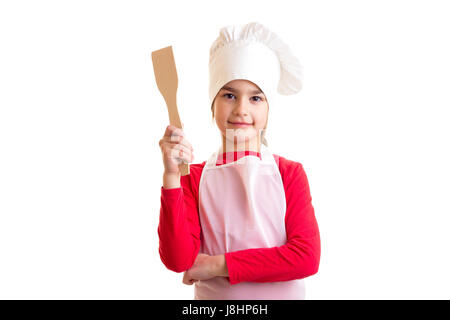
(228, 95)
(257, 98)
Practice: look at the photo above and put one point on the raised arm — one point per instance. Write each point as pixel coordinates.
(179, 227)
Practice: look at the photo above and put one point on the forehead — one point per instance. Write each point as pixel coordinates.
(241, 85)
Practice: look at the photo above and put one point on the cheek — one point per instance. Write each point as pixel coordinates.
(222, 114)
(260, 118)
(221, 119)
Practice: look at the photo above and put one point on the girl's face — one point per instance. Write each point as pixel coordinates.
(241, 112)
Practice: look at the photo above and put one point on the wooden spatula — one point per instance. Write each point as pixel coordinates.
(167, 81)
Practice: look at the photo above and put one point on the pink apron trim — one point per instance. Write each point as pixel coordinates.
(232, 156)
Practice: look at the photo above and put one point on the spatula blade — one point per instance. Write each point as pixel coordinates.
(165, 71)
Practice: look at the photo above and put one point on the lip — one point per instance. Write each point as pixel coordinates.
(240, 124)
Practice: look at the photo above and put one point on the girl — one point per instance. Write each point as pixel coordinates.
(241, 225)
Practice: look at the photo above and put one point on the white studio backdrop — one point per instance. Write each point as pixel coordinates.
(81, 117)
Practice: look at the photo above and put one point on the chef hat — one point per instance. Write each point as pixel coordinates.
(253, 52)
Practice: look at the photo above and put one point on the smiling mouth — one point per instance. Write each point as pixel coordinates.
(240, 123)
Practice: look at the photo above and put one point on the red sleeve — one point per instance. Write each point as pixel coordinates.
(300, 256)
(179, 225)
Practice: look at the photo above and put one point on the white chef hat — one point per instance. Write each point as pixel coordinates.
(253, 52)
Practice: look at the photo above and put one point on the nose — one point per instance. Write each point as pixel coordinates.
(241, 108)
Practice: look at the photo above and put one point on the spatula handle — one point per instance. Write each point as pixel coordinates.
(174, 119)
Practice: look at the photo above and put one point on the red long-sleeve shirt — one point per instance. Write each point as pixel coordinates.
(180, 232)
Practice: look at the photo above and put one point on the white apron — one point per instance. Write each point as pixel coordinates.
(242, 205)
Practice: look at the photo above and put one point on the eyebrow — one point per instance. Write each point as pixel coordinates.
(257, 91)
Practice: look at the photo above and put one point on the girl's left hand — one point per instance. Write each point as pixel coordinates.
(202, 269)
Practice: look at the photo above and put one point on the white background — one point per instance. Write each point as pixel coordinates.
(81, 117)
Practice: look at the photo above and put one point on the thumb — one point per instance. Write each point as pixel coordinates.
(186, 279)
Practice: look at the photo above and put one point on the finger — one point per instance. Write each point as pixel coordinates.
(173, 149)
(186, 279)
(181, 153)
(180, 160)
(174, 139)
(178, 156)
(172, 130)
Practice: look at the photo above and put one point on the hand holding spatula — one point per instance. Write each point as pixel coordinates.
(167, 81)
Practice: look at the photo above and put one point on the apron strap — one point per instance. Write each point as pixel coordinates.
(266, 156)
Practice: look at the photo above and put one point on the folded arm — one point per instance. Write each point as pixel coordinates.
(300, 256)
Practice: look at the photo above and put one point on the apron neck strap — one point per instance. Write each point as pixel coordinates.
(266, 155)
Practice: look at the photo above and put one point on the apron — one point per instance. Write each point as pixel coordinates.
(242, 205)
